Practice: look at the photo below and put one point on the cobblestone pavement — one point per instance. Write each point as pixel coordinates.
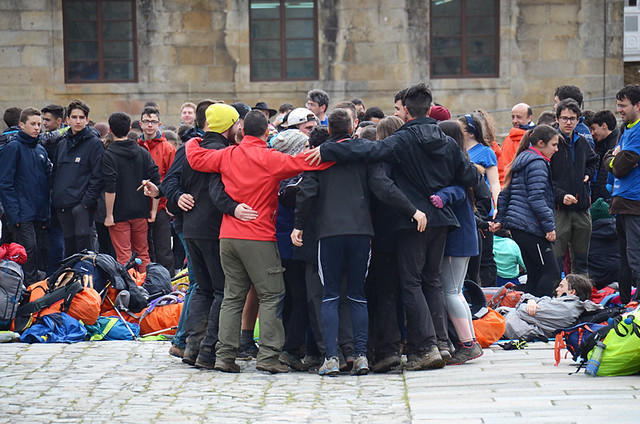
(128, 382)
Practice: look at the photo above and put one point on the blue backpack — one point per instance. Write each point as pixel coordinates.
(55, 328)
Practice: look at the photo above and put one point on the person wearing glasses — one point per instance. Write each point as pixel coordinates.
(162, 153)
(572, 169)
(318, 103)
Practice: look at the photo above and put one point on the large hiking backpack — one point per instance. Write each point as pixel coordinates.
(64, 291)
(108, 273)
(621, 337)
(11, 286)
(572, 339)
(506, 295)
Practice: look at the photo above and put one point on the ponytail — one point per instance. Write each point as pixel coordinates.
(542, 133)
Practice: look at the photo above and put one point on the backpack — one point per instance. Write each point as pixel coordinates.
(506, 295)
(55, 328)
(489, 328)
(157, 281)
(621, 337)
(572, 338)
(111, 328)
(11, 286)
(64, 291)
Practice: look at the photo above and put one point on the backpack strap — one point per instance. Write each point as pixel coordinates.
(25, 313)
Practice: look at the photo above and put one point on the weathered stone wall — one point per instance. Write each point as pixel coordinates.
(192, 49)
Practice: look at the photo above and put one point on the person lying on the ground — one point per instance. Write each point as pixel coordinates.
(537, 318)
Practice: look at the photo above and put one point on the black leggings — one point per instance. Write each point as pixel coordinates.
(541, 263)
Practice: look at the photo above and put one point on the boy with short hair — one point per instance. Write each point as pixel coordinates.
(24, 188)
(77, 179)
(124, 166)
(162, 153)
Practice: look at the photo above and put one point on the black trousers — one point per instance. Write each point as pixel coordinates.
(295, 316)
(76, 223)
(628, 229)
(381, 289)
(482, 268)
(542, 267)
(419, 266)
(203, 318)
(29, 235)
(159, 237)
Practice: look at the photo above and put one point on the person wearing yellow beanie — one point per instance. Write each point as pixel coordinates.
(221, 117)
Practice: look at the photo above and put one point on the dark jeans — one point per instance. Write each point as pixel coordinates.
(315, 339)
(160, 241)
(180, 339)
(56, 246)
(419, 266)
(540, 260)
(76, 223)
(628, 229)
(295, 315)
(28, 234)
(350, 252)
(382, 296)
(204, 309)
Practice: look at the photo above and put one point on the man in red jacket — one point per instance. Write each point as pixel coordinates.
(251, 174)
(521, 121)
(162, 153)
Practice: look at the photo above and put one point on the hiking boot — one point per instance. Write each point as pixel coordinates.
(176, 351)
(430, 360)
(465, 353)
(295, 363)
(206, 359)
(272, 367)
(360, 366)
(190, 355)
(330, 367)
(247, 352)
(226, 366)
(386, 364)
(444, 349)
(313, 362)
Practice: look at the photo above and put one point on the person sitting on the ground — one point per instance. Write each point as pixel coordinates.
(537, 318)
(508, 258)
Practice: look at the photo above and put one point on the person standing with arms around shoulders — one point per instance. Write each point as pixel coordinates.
(526, 205)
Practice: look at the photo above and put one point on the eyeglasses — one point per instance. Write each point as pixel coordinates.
(150, 122)
(311, 104)
(566, 119)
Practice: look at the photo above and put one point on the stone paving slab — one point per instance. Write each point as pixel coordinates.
(128, 382)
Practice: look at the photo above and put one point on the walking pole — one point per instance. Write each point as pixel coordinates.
(126, 324)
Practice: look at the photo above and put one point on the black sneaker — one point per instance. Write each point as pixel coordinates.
(295, 363)
(386, 364)
(465, 353)
(444, 349)
(206, 359)
(247, 352)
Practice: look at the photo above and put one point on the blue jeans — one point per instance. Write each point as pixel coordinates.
(179, 340)
(350, 252)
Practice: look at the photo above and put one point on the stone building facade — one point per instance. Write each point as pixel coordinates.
(193, 49)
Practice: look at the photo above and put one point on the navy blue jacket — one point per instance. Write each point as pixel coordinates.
(461, 242)
(77, 171)
(25, 170)
(424, 161)
(527, 202)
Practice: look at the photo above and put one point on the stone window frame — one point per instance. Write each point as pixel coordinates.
(283, 40)
(102, 61)
(464, 56)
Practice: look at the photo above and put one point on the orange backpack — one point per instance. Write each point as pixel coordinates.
(489, 329)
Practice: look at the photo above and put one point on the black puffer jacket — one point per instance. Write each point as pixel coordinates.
(599, 183)
(424, 161)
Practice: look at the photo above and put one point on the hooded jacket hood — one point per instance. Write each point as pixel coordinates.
(125, 148)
